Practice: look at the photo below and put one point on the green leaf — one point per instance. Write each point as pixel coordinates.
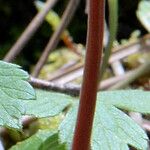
(67, 126)
(47, 104)
(52, 143)
(131, 100)
(13, 88)
(143, 14)
(43, 140)
(112, 129)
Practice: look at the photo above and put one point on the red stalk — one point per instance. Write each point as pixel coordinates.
(88, 94)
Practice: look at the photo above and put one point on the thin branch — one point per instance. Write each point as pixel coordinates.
(117, 68)
(143, 69)
(70, 89)
(65, 35)
(105, 84)
(29, 32)
(118, 53)
(74, 90)
(66, 18)
(70, 70)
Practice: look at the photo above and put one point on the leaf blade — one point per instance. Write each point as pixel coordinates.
(13, 89)
(112, 129)
(130, 100)
(47, 104)
(42, 140)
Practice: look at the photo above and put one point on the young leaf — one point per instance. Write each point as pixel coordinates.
(13, 88)
(43, 140)
(47, 104)
(112, 129)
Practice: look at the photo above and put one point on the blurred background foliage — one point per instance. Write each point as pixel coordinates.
(15, 16)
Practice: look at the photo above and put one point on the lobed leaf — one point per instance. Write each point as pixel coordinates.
(13, 88)
(112, 129)
(130, 100)
(47, 104)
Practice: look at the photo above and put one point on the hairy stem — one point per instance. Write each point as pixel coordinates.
(86, 110)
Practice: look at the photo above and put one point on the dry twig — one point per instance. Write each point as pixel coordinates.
(29, 32)
(68, 88)
(143, 69)
(66, 18)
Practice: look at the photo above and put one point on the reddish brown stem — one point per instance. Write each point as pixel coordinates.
(86, 111)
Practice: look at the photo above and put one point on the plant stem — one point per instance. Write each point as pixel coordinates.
(113, 24)
(87, 104)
